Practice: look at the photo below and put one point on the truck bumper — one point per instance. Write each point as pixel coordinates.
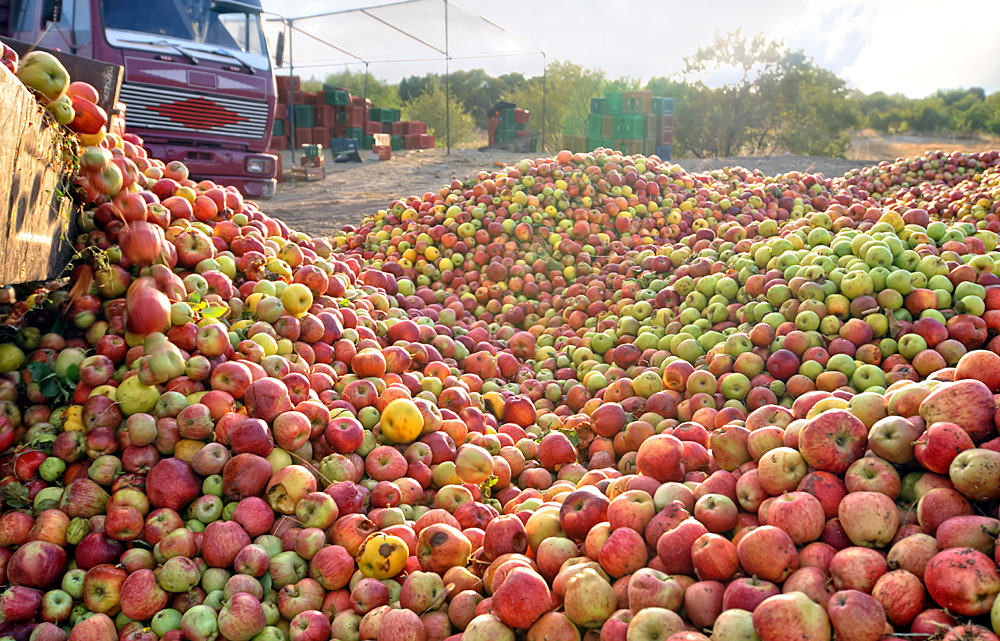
(254, 188)
(223, 166)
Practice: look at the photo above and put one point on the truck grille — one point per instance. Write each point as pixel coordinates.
(171, 109)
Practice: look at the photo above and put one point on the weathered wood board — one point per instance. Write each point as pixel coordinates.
(104, 76)
(35, 213)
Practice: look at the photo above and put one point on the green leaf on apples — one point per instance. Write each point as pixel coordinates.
(486, 487)
(73, 372)
(571, 435)
(40, 371)
(49, 388)
(194, 297)
(16, 495)
(214, 311)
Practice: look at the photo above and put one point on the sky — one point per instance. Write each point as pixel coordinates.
(914, 47)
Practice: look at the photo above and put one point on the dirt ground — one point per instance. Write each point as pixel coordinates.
(352, 190)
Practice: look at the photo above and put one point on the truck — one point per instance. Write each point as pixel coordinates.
(198, 86)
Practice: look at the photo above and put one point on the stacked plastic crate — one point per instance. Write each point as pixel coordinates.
(633, 122)
(507, 124)
(333, 116)
(663, 121)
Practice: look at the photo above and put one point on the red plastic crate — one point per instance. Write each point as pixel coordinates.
(372, 128)
(321, 136)
(282, 82)
(411, 141)
(279, 143)
(326, 116)
(303, 135)
(398, 129)
(521, 116)
(426, 141)
(384, 153)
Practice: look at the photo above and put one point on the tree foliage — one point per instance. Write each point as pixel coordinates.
(951, 111)
(430, 107)
(380, 92)
(739, 96)
(775, 100)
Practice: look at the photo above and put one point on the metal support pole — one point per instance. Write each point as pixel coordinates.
(366, 81)
(291, 95)
(545, 91)
(447, 82)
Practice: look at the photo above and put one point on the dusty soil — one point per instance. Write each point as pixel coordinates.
(352, 190)
(871, 144)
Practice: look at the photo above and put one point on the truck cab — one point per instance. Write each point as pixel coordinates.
(198, 85)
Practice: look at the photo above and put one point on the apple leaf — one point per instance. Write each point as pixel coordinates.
(194, 297)
(49, 388)
(571, 435)
(40, 371)
(214, 311)
(16, 495)
(73, 372)
(486, 487)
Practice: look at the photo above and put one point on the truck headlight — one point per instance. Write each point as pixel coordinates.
(259, 165)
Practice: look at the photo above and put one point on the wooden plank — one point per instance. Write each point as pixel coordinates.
(104, 76)
(35, 226)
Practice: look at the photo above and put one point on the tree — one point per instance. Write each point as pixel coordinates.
(412, 86)
(777, 100)
(430, 107)
(381, 93)
(814, 111)
(740, 119)
(479, 91)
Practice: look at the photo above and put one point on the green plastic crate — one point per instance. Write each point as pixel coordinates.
(630, 126)
(305, 116)
(279, 128)
(520, 126)
(341, 117)
(376, 115)
(396, 142)
(367, 142)
(336, 97)
(354, 132)
(597, 105)
(505, 133)
(506, 118)
(393, 115)
(312, 151)
(612, 103)
(594, 125)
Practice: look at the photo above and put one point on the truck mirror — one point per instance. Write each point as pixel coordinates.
(279, 52)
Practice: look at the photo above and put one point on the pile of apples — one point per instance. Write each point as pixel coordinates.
(582, 397)
(71, 104)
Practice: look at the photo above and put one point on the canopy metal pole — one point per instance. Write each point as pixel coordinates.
(447, 82)
(545, 90)
(291, 95)
(366, 81)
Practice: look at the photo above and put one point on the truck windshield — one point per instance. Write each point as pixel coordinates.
(191, 20)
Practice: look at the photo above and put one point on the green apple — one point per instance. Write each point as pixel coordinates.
(44, 73)
(62, 110)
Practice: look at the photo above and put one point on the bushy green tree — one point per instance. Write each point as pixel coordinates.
(430, 107)
(381, 93)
